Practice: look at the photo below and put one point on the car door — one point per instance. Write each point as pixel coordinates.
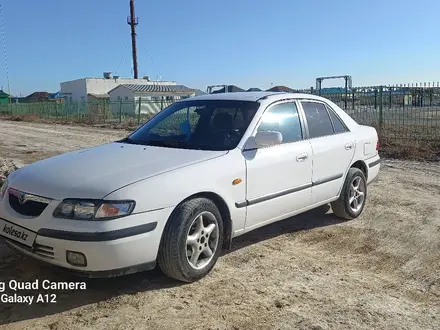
(333, 147)
(278, 177)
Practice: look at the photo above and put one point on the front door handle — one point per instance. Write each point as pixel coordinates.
(301, 157)
(349, 146)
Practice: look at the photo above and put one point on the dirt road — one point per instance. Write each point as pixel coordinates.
(381, 271)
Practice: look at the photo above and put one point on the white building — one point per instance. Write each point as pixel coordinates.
(152, 98)
(81, 89)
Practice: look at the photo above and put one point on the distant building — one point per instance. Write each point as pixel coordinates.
(4, 97)
(284, 89)
(96, 98)
(153, 98)
(37, 97)
(81, 89)
(98, 103)
(254, 89)
(17, 99)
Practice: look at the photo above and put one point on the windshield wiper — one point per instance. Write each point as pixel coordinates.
(171, 144)
(191, 145)
(178, 144)
(175, 144)
(127, 140)
(156, 143)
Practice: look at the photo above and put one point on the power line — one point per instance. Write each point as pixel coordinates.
(152, 61)
(4, 50)
(122, 58)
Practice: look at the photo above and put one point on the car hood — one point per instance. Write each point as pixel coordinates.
(95, 172)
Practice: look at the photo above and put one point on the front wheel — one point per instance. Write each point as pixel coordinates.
(353, 196)
(191, 241)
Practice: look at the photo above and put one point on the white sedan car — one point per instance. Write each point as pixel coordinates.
(178, 189)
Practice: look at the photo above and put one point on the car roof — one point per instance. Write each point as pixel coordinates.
(236, 96)
(253, 96)
(267, 98)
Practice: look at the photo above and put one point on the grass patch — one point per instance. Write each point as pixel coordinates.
(410, 142)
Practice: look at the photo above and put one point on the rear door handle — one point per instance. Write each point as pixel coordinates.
(301, 157)
(349, 146)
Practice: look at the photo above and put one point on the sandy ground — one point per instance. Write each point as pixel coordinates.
(380, 271)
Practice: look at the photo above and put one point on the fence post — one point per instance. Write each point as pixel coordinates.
(380, 106)
(67, 109)
(139, 114)
(346, 94)
(375, 99)
(105, 110)
(120, 111)
(352, 98)
(390, 98)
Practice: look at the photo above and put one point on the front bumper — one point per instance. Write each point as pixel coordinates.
(83, 273)
(108, 253)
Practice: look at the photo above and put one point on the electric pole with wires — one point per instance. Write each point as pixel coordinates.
(132, 20)
(5, 52)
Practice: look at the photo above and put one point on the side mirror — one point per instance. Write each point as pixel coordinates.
(264, 139)
(268, 139)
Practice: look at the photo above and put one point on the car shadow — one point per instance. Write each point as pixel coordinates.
(315, 218)
(22, 269)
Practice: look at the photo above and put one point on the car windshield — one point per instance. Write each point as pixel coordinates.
(197, 124)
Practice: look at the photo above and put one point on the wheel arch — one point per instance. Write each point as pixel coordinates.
(360, 164)
(223, 209)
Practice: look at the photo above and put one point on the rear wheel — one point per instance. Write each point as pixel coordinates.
(192, 240)
(353, 196)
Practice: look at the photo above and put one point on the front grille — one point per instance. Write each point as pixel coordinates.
(30, 208)
(43, 251)
(38, 249)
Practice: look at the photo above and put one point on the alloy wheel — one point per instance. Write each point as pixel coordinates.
(202, 240)
(356, 196)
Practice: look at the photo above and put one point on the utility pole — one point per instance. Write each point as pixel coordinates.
(133, 21)
(5, 53)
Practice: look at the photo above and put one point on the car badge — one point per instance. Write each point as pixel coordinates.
(22, 198)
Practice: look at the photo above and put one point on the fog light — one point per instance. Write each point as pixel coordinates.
(76, 258)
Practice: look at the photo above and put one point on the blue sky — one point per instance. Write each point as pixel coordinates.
(242, 42)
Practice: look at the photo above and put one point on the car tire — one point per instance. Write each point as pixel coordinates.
(353, 196)
(194, 228)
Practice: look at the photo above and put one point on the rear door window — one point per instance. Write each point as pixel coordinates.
(338, 126)
(318, 119)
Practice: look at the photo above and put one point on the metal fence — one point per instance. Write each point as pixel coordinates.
(102, 111)
(401, 114)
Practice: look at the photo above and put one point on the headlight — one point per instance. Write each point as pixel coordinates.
(3, 189)
(93, 209)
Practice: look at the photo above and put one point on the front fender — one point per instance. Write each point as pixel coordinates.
(170, 188)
